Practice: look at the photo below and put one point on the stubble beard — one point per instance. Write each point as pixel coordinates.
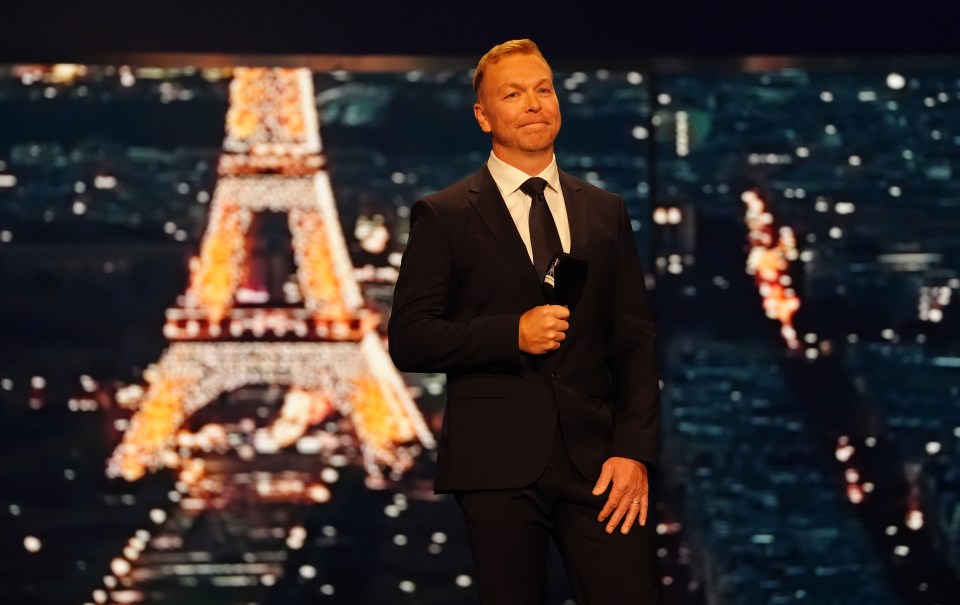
(537, 142)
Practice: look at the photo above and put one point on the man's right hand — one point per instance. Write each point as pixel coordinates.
(543, 328)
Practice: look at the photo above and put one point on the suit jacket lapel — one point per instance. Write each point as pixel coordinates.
(489, 204)
(578, 215)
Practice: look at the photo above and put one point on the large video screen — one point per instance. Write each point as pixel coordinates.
(197, 261)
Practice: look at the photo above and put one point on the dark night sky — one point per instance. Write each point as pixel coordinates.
(47, 30)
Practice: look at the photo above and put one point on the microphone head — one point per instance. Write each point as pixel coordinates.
(564, 280)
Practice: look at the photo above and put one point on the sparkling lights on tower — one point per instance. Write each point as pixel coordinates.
(321, 342)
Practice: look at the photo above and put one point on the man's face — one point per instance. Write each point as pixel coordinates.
(518, 106)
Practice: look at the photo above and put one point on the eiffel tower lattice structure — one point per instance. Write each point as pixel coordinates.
(229, 330)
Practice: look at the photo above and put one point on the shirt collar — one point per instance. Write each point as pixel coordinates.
(509, 179)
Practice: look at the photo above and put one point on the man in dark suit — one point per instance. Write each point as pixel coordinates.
(552, 416)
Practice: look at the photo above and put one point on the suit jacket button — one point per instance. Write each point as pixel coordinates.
(555, 376)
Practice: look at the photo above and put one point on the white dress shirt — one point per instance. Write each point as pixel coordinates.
(509, 179)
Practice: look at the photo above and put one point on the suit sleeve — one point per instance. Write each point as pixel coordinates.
(423, 334)
(632, 357)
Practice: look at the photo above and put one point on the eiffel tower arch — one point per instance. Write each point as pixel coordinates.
(229, 330)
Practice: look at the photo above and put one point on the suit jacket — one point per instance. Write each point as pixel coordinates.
(466, 278)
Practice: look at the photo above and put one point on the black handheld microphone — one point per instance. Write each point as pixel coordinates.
(564, 280)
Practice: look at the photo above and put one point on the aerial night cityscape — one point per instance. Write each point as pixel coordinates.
(197, 405)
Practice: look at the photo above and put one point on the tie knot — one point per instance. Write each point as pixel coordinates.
(533, 186)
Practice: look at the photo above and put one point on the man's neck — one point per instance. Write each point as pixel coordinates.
(531, 163)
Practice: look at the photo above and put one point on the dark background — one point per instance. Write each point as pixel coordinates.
(45, 30)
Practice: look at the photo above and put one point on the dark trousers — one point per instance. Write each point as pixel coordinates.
(509, 531)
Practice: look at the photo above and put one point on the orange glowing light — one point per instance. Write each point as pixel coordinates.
(266, 111)
(318, 279)
(855, 493)
(375, 420)
(217, 273)
(769, 262)
(301, 410)
(152, 428)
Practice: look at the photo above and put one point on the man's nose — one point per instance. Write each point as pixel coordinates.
(531, 103)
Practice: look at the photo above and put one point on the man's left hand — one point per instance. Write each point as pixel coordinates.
(628, 495)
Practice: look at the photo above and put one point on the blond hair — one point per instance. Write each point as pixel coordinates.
(511, 47)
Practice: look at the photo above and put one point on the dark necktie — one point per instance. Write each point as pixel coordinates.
(544, 237)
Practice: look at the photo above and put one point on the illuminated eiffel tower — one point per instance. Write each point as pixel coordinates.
(228, 332)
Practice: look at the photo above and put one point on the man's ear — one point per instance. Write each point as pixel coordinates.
(481, 117)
